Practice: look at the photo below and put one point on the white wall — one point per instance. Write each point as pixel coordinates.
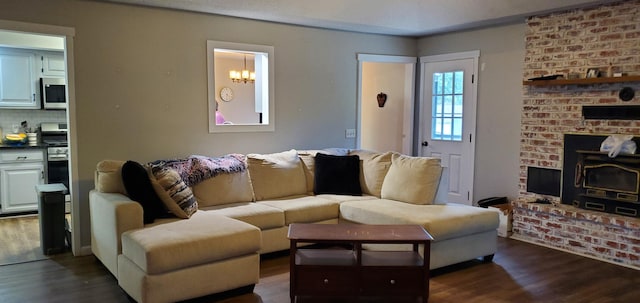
(382, 127)
(499, 102)
(141, 90)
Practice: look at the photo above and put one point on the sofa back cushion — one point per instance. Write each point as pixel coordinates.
(224, 189)
(108, 178)
(276, 175)
(308, 165)
(412, 179)
(373, 168)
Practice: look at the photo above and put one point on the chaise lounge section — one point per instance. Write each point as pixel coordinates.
(243, 213)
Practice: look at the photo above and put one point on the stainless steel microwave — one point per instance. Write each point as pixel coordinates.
(53, 93)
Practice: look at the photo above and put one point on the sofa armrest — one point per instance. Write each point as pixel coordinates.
(111, 215)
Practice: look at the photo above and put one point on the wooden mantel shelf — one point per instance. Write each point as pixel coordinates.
(583, 81)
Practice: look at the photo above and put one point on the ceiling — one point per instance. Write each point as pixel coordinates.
(400, 17)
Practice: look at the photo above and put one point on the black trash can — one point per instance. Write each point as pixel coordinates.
(52, 219)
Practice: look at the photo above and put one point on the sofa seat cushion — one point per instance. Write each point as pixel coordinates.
(442, 221)
(256, 214)
(305, 209)
(204, 238)
(344, 198)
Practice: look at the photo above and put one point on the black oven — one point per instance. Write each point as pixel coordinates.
(54, 135)
(58, 165)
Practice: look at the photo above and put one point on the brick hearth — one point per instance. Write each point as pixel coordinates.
(606, 37)
(598, 235)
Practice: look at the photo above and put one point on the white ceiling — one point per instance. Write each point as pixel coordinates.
(400, 17)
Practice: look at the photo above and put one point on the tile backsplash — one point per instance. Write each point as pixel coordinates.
(10, 117)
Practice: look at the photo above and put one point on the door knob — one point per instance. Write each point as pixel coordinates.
(425, 143)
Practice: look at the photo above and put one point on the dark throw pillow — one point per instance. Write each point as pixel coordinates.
(138, 185)
(337, 175)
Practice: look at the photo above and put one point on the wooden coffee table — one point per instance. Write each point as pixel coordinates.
(356, 272)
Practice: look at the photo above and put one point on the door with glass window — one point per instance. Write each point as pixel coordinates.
(447, 122)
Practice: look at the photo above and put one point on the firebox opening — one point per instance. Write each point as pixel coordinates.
(544, 181)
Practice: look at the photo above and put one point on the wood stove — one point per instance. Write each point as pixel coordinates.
(607, 184)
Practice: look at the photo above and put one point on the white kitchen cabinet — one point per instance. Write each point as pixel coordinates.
(17, 79)
(20, 172)
(52, 64)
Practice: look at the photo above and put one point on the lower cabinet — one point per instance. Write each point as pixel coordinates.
(20, 172)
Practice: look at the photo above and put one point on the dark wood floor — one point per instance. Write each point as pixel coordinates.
(520, 272)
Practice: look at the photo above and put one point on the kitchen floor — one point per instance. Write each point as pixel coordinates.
(20, 239)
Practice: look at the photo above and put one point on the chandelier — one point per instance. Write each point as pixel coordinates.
(243, 76)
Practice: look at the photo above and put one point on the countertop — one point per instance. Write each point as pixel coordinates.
(23, 146)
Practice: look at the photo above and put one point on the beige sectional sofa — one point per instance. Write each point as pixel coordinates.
(245, 213)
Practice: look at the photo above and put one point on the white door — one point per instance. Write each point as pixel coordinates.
(448, 120)
(386, 126)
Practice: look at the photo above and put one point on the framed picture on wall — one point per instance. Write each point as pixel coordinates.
(593, 73)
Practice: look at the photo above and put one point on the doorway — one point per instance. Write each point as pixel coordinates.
(28, 36)
(448, 98)
(386, 103)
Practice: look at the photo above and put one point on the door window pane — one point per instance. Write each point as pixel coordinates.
(447, 103)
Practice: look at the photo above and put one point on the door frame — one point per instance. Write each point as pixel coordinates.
(409, 106)
(68, 33)
(475, 56)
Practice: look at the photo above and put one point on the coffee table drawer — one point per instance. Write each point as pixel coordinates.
(326, 280)
(392, 281)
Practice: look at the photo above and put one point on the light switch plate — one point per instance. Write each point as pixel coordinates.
(350, 133)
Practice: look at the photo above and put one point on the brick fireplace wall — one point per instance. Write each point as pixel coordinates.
(572, 42)
(606, 37)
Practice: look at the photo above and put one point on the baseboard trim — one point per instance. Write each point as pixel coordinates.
(573, 252)
(84, 251)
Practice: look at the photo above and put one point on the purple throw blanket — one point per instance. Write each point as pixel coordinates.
(196, 169)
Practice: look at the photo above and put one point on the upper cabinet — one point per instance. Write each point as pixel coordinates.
(20, 73)
(17, 79)
(52, 65)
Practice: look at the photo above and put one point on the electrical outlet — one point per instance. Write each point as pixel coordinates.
(350, 133)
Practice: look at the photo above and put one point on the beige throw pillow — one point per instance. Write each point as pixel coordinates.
(108, 178)
(276, 175)
(412, 179)
(308, 161)
(373, 168)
